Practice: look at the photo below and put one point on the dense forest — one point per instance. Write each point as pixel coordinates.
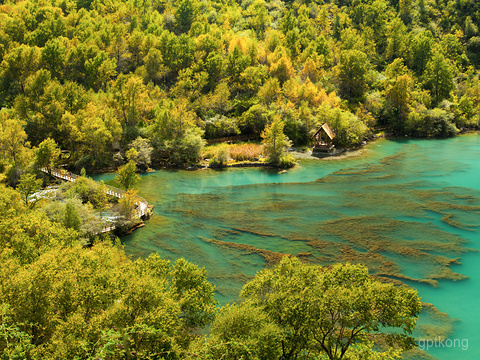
(102, 84)
(96, 75)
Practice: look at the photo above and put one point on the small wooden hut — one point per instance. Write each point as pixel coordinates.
(323, 140)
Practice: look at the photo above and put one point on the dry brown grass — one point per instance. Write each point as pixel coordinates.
(245, 152)
(237, 152)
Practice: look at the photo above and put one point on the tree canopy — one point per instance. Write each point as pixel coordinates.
(297, 309)
(61, 300)
(96, 77)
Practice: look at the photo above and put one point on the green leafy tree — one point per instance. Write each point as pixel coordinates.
(453, 49)
(136, 44)
(422, 7)
(331, 309)
(130, 96)
(127, 175)
(47, 155)
(194, 294)
(259, 19)
(13, 138)
(421, 51)
(100, 197)
(438, 78)
(240, 331)
(187, 149)
(42, 106)
(72, 219)
(190, 84)
(220, 126)
(96, 136)
(185, 15)
(215, 67)
(128, 205)
(54, 56)
(470, 28)
(275, 142)
(398, 95)
(17, 66)
(432, 122)
(350, 130)
(155, 69)
(237, 62)
(24, 236)
(100, 70)
(254, 119)
(63, 301)
(405, 9)
(396, 42)
(352, 74)
(79, 303)
(175, 135)
(28, 185)
(14, 343)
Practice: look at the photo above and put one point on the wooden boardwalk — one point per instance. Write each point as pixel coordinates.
(142, 207)
(233, 138)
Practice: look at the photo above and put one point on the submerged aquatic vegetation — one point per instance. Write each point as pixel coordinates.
(397, 215)
(371, 222)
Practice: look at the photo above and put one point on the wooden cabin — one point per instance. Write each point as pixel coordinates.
(323, 140)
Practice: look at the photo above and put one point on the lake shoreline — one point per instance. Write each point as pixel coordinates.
(298, 154)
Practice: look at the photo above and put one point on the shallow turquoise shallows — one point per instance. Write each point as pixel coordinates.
(408, 209)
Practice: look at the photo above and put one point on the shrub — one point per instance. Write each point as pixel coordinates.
(186, 149)
(221, 156)
(432, 123)
(210, 151)
(87, 190)
(286, 161)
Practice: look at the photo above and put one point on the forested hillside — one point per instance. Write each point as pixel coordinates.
(112, 82)
(96, 75)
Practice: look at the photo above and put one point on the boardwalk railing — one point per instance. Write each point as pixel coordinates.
(142, 207)
(233, 138)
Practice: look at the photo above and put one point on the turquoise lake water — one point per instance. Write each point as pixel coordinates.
(408, 209)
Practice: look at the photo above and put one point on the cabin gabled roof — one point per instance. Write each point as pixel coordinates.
(327, 131)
